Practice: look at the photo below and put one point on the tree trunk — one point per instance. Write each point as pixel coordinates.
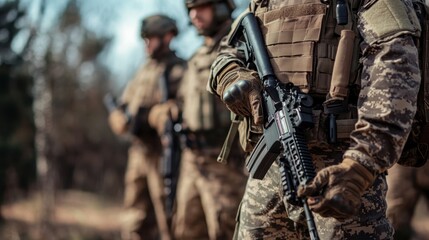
(44, 150)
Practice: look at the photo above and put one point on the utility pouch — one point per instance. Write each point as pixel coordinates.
(337, 99)
(342, 65)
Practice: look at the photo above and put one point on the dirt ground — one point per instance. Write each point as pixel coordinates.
(76, 216)
(86, 216)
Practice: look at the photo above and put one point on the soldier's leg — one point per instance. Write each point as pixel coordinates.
(221, 189)
(189, 221)
(262, 213)
(139, 217)
(402, 197)
(157, 195)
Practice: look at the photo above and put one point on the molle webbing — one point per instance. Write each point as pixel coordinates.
(302, 39)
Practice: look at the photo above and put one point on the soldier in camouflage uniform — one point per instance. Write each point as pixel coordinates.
(208, 193)
(145, 216)
(348, 192)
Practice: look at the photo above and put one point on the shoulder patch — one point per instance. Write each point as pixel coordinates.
(385, 18)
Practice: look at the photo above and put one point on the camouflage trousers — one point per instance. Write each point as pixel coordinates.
(264, 214)
(406, 186)
(208, 195)
(144, 214)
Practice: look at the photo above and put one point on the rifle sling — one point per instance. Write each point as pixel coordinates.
(226, 148)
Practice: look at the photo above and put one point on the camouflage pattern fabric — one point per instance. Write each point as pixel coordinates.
(389, 86)
(385, 108)
(263, 214)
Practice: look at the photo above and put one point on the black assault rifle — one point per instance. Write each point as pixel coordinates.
(170, 162)
(287, 112)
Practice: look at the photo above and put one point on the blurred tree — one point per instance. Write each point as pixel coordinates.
(51, 99)
(73, 141)
(16, 128)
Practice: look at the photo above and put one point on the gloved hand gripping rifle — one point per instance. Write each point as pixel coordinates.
(287, 113)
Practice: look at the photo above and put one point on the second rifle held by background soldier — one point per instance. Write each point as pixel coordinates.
(172, 152)
(170, 162)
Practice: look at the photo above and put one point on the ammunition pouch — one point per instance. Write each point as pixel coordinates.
(343, 126)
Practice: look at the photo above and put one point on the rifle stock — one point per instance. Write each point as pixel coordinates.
(287, 112)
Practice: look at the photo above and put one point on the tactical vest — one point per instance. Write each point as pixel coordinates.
(146, 90)
(304, 44)
(303, 41)
(202, 111)
(309, 48)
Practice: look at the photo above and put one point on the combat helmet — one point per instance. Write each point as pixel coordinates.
(222, 8)
(157, 26)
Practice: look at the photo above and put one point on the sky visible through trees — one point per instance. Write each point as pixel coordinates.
(119, 21)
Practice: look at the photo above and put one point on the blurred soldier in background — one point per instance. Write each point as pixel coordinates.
(208, 193)
(145, 216)
(406, 186)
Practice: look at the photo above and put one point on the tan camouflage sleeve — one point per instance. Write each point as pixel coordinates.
(390, 83)
(226, 55)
